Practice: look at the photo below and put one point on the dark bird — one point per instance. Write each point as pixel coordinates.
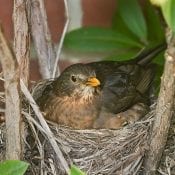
(105, 94)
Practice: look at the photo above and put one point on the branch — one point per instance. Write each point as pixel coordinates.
(13, 110)
(42, 38)
(46, 128)
(61, 40)
(164, 110)
(21, 38)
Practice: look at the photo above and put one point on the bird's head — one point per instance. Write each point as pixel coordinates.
(77, 80)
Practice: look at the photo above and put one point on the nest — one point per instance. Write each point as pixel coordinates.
(103, 152)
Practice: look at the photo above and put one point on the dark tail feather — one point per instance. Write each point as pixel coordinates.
(147, 56)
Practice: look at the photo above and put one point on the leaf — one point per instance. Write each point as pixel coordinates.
(93, 39)
(119, 26)
(133, 17)
(156, 32)
(123, 55)
(160, 59)
(168, 9)
(76, 171)
(13, 167)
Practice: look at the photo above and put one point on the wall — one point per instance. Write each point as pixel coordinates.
(94, 13)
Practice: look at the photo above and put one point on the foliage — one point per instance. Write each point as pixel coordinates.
(133, 18)
(168, 9)
(76, 171)
(132, 30)
(13, 167)
(95, 39)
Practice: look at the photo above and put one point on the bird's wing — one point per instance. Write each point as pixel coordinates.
(123, 84)
(42, 90)
(119, 92)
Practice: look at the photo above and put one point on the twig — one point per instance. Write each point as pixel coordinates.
(164, 110)
(52, 166)
(13, 110)
(42, 38)
(21, 38)
(21, 46)
(32, 122)
(61, 40)
(43, 123)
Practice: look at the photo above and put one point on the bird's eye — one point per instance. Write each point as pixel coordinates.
(73, 78)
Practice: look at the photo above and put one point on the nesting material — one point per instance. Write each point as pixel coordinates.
(97, 151)
(105, 151)
(93, 151)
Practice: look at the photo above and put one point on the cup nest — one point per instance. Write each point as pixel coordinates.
(102, 151)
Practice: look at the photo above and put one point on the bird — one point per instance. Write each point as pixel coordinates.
(98, 95)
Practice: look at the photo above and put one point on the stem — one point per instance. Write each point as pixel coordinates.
(164, 110)
(12, 102)
(61, 40)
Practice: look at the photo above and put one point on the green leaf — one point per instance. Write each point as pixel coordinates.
(93, 39)
(13, 167)
(123, 55)
(119, 26)
(76, 171)
(168, 9)
(132, 15)
(159, 59)
(156, 32)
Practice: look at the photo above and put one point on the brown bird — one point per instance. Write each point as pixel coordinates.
(103, 94)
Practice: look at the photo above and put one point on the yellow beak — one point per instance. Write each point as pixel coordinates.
(93, 82)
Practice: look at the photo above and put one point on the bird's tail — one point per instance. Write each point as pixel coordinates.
(147, 56)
